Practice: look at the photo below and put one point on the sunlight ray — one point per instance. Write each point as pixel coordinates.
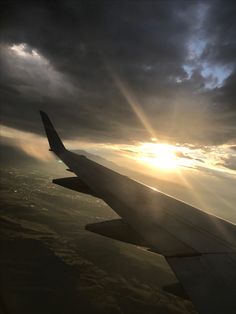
(132, 101)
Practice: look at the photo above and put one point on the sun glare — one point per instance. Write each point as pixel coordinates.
(158, 155)
(162, 156)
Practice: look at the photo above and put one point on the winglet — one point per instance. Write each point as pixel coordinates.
(54, 140)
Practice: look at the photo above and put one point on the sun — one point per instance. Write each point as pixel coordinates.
(162, 156)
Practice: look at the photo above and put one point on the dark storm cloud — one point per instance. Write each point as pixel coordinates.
(145, 44)
(220, 29)
(226, 94)
(8, 89)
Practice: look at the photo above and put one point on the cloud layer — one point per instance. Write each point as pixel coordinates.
(176, 60)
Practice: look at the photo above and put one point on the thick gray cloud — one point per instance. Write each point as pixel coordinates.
(220, 29)
(229, 162)
(74, 49)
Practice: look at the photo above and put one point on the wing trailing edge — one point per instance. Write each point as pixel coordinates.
(74, 183)
(117, 229)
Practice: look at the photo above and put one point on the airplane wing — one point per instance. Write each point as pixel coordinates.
(199, 247)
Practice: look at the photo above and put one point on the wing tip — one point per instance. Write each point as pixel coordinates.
(54, 140)
(43, 115)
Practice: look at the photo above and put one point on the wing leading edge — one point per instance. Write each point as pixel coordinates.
(199, 247)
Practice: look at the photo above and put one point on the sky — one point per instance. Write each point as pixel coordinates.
(149, 84)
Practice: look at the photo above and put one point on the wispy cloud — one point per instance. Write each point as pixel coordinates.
(32, 144)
